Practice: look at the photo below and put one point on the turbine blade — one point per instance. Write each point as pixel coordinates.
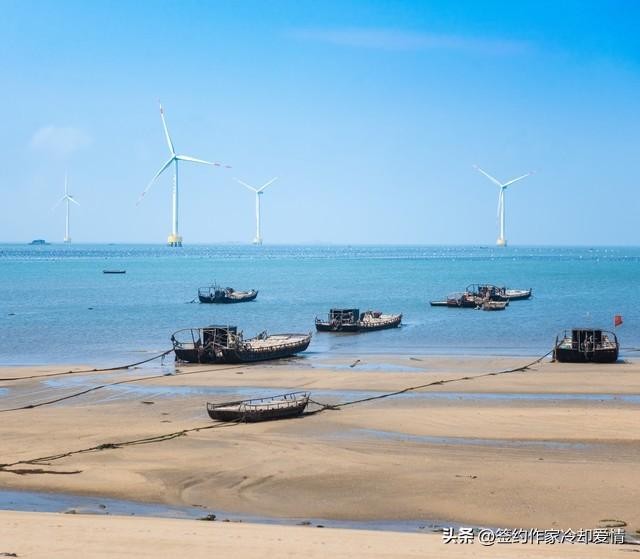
(517, 179)
(66, 191)
(500, 202)
(193, 160)
(166, 131)
(162, 169)
(246, 185)
(72, 199)
(58, 203)
(267, 184)
(492, 179)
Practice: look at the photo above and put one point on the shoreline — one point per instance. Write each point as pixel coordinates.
(442, 453)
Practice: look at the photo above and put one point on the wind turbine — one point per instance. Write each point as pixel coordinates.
(259, 192)
(174, 240)
(66, 198)
(502, 241)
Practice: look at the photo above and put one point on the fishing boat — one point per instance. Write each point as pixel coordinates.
(583, 345)
(225, 344)
(283, 406)
(217, 294)
(495, 293)
(458, 300)
(352, 320)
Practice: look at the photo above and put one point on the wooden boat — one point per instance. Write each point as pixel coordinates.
(114, 271)
(352, 320)
(217, 294)
(225, 344)
(495, 293)
(457, 301)
(494, 305)
(583, 345)
(283, 406)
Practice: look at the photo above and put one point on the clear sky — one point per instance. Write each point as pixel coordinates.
(372, 114)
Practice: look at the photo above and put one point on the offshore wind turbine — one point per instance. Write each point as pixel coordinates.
(174, 240)
(66, 198)
(502, 241)
(259, 191)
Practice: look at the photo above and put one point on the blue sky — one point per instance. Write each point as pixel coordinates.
(371, 113)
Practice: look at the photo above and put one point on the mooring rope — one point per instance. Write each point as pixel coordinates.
(45, 460)
(420, 386)
(107, 385)
(118, 368)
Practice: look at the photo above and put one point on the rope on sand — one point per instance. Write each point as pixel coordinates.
(420, 386)
(118, 368)
(46, 460)
(107, 385)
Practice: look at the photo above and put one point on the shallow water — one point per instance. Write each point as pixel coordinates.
(57, 306)
(34, 501)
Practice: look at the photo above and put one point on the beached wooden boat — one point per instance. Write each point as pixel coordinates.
(352, 320)
(283, 406)
(582, 345)
(223, 295)
(225, 344)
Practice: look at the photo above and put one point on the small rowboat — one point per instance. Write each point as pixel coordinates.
(260, 409)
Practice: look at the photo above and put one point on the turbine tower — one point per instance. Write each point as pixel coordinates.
(502, 241)
(259, 192)
(174, 240)
(66, 198)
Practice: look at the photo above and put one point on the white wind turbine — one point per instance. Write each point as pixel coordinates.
(259, 192)
(502, 241)
(174, 240)
(66, 198)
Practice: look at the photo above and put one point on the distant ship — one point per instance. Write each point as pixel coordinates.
(38, 242)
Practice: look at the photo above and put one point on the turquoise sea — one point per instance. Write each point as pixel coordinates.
(58, 306)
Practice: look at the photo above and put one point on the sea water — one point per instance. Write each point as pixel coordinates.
(57, 306)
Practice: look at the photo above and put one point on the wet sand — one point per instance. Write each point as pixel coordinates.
(552, 447)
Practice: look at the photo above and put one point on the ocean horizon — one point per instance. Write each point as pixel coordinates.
(58, 306)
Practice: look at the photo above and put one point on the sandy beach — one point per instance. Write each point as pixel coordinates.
(553, 447)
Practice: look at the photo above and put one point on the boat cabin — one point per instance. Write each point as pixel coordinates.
(344, 316)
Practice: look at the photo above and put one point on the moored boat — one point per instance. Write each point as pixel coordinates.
(282, 406)
(225, 344)
(457, 301)
(217, 294)
(495, 293)
(583, 345)
(352, 320)
(493, 305)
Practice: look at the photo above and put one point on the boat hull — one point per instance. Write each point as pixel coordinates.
(283, 406)
(254, 416)
(225, 300)
(227, 355)
(569, 355)
(360, 326)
